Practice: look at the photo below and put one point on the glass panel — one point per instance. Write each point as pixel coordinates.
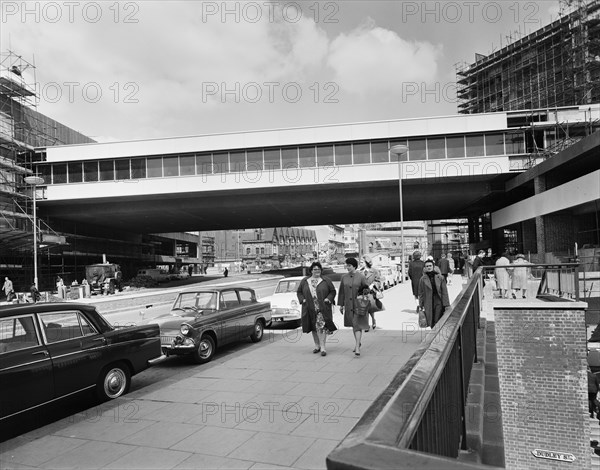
(204, 164)
(122, 169)
(379, 152)
(456, 146)
(255, 160)
(237, 161)
(307, 157)
(325, 155)
(60, 326)
(515, 142)
(273, 159)
(343, 154)
(475, 146)
(436, 148)
(361, 153)
(90, 171)
(75, 172)
(17, 333)
(289, 157)
(86, 327)
(394, 156)
(138, 168)
(59, 173)
(187, 165)
(154, 167)
(416, 150)
(221, 162)
(107, 171)
(45, 171)
(171, 166)
(494, 144)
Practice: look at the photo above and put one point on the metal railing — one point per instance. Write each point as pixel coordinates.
(420, 419)
(558, 281)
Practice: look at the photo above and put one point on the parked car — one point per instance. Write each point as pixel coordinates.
(157, 274)
(204, 319)
(389, 276)
(284, 301)
(50, 351)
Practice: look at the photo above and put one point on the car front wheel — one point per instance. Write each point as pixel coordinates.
(206, 350)
(114, 381)
(259, 330)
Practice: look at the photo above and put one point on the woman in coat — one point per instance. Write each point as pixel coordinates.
(433, 294)
(503, 275)
(351, 285)
(415, 271)
(316, 294)
(520, 276)
(373, 278)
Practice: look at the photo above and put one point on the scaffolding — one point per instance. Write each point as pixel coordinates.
(558, 65)
(22, 129)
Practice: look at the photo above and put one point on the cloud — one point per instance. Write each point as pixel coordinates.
(373, 60)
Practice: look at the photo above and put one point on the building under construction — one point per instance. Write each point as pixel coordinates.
(22, 129)
(558, 65)
(62, 249)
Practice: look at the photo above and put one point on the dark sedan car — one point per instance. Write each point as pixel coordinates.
(49, 351)
(203, 319)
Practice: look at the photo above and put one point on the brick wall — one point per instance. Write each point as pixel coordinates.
(543, 382)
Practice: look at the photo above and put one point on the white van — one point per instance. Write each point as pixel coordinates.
(157, 274)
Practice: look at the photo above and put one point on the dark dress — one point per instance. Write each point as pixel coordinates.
(351, 285)
(325, 290)
(415, 271)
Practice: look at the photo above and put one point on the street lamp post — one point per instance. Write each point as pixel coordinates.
(34, 181)
(400, 150)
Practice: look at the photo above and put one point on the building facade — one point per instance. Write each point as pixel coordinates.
(558, 65)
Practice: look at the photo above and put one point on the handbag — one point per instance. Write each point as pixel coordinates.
(379, 294)
(422, 319)
(363, 303)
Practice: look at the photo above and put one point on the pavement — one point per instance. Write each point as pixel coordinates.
(270, 405)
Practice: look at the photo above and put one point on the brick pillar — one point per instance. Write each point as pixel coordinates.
(543, 382)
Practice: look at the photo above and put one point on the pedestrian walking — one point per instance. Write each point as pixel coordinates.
(503, 275)
(415, 271)
(520, 277)
(373, 278)
(35, 293)
(352, 285)
(8, 289)
(444, 266)
(316, 294)
(225, 272)
(433, 294)
(451, 267)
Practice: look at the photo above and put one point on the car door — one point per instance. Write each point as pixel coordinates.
(25, 366)
(76, 349)
(232, 316)
(251, 309)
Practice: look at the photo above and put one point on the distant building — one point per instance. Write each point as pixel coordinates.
(558, 65)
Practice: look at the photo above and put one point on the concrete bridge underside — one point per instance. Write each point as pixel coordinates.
(424, 199)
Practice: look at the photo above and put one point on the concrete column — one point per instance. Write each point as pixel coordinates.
(539, 186)
(542, 373)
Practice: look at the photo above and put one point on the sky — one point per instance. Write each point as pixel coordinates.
(151, 69)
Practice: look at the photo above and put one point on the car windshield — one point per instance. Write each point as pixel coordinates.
(196, 301)
(287, 286)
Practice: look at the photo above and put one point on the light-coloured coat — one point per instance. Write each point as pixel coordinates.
(520, 275)
(502, 274)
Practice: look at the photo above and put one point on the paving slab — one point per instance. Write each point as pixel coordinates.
(268, 407)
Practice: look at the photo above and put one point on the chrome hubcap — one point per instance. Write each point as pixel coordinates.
(114, 383)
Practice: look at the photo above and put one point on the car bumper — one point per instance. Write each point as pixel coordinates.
(157, 360)
(277, 318)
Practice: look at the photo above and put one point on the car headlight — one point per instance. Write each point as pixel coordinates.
(185, 329)
(294, 304)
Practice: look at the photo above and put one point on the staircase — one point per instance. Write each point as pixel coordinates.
(484, 416)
